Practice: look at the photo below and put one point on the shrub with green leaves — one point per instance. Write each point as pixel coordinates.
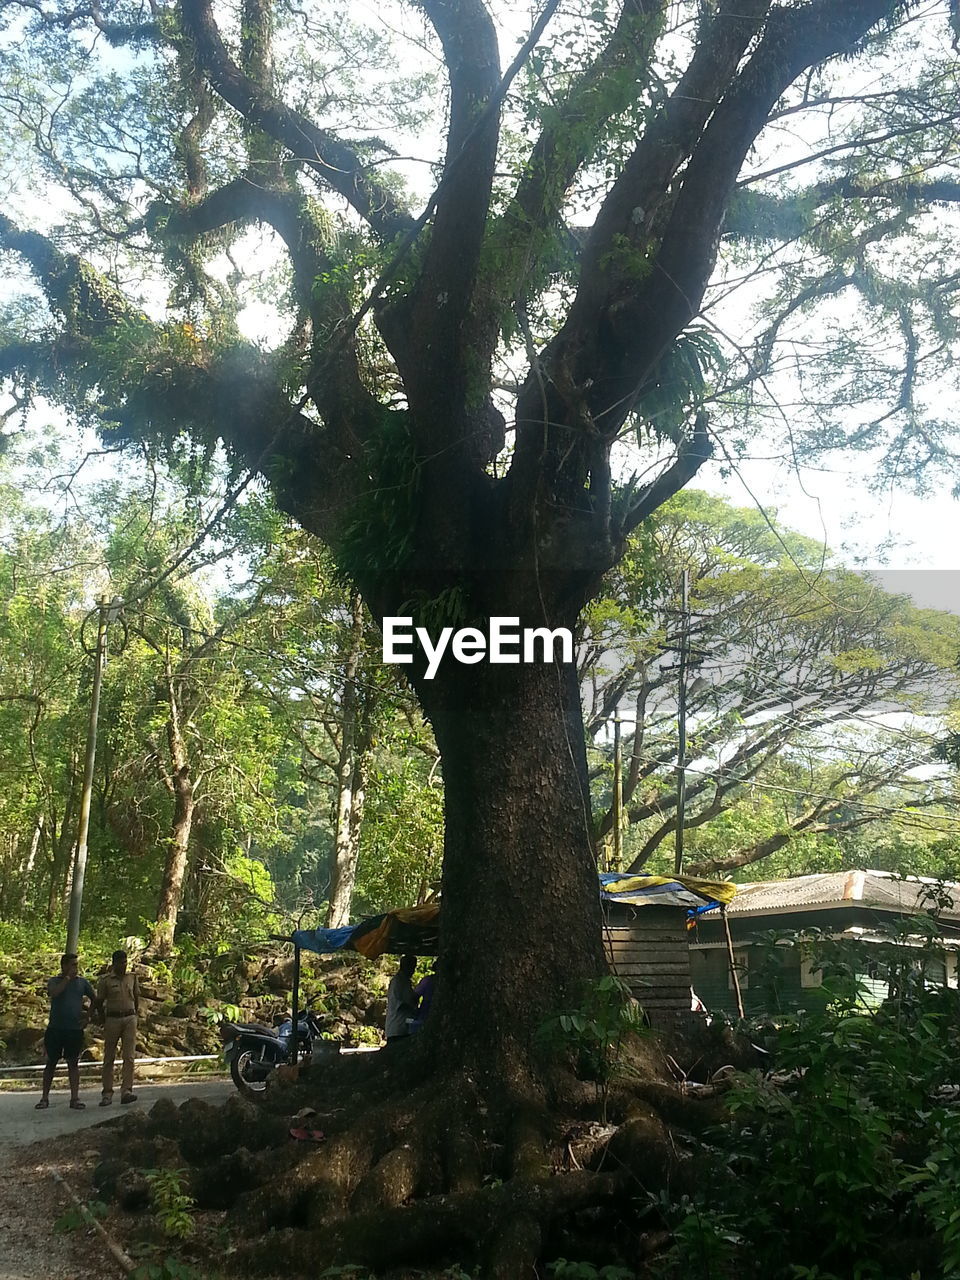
(845, 1161)
(564, 1269)
(171, 1203)
(170, 1269)
(73, 1219)
(594, 1033)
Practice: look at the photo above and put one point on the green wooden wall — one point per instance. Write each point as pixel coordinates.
(774, 987)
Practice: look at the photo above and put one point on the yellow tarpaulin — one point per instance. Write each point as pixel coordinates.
(658, 888)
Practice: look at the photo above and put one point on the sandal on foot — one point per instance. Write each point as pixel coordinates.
(77, 1105)
(106, 1102)
(41, 1105)
(307, 1135)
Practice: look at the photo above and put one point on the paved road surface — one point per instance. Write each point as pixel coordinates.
(20, 1123)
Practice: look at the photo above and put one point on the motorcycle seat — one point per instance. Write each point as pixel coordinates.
(257, 1027)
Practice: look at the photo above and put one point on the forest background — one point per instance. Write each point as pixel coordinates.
(257, 764)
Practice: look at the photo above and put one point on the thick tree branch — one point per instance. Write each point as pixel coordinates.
(523, 233)
(862, 145)
(641, 309)
(246, 199)
(470, 51)
(76, 291)
(756, 215)
(803, 825)
(633, 203)
(237, 394)
(578, 384)
(192, 135)
(793, 39)
(336, 163)
(691, 456)
(444, 291)
(808, 823)
(256, 61)
(115, 33)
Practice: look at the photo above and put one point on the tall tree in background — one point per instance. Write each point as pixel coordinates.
(362, 743)
(43, 684)
(788, 661)
(226, 712)
(374, 420)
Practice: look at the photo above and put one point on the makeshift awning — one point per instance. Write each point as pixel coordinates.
(413, 929)
(665, 891)
(417, 929)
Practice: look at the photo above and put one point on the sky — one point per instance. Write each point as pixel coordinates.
(895, 532)
(885, 530)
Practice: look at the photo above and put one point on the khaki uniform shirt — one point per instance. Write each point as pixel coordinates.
(120, 996)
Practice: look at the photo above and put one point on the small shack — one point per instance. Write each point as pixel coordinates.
(646, 934)
(857, 907)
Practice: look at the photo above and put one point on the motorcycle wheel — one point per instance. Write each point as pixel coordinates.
(238, 1065)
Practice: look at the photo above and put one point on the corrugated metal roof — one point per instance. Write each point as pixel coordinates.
(871, 888)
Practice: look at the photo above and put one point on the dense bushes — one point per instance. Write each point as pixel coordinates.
(845, 1161)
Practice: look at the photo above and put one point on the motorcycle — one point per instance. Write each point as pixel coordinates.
(254, 1050)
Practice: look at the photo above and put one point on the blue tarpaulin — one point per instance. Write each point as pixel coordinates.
(417, 929)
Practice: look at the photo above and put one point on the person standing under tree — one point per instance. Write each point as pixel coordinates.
(118, 996)
(401, 1002)
(63, 1037)
(423, 994)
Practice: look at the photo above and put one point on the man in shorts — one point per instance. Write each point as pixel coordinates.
(63, 1037)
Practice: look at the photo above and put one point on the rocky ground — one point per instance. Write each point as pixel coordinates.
(182, 1005)
(110, 1168)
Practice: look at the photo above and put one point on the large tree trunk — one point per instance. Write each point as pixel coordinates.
(352, 795)
(521, 910)
(25, 869)
(180, 782)
(470, 1102)
(175, 866)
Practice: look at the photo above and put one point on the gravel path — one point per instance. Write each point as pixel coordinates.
(31, 1202)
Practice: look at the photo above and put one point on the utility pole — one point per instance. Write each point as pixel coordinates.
(682, 723)
(617, 798)
(107, 611)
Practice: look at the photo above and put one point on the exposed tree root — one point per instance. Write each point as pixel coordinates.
(513, 1247)
(445, 1170)
(441, 1228)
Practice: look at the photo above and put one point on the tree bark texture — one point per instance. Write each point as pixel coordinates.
(521, 912)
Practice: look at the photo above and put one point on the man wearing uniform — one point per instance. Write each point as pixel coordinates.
(118, 997)
(63, 1037)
